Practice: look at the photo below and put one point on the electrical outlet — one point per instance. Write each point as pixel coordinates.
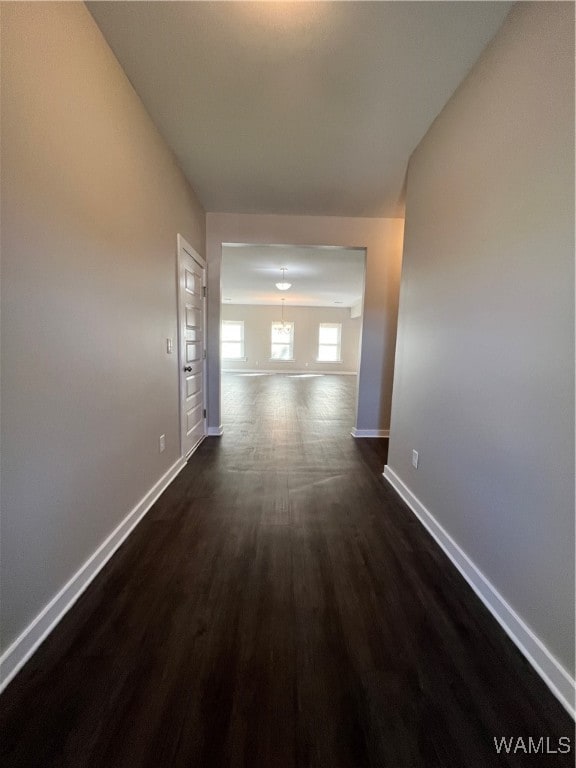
(162, 443)
(415, 459)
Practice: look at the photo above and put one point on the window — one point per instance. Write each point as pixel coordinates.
(282, 341)
(329, 336)
(233, 340)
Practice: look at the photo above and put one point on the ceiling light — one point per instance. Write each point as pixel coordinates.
(285, 327)
(283, 285)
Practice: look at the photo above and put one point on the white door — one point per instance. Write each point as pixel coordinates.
(192, 346)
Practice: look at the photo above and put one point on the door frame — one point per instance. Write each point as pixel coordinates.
(184, 247)
(382, 238)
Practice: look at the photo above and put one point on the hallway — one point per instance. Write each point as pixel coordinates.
(279, 606)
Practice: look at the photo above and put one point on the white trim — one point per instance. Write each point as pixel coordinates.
(215, 431)
(291, 370)
(18, 653)
(370, 432)
(234, 359)
(183, 246)
(338, 344)
(546, 665)
(197, 444)
(241, 358)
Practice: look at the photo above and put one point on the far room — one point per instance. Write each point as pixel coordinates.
(290, 335)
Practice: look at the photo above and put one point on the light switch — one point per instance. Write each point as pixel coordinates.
(169, 346)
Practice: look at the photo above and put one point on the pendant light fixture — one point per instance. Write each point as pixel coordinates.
(285, 327)
(283, 285)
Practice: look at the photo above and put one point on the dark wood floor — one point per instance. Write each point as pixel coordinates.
(278, 607)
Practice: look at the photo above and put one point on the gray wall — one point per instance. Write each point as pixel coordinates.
(257, 322)
(91, 203)
(382, 239)
(484, 378)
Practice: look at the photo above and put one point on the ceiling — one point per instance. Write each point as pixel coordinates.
(298, 107)
(321, 276)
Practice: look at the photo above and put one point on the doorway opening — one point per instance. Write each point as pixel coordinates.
(290, 330)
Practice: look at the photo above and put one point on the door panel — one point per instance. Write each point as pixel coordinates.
(195, 400)
(193, 384)
(191, 311)
(193, 417)
(191, 281)
(193, 352)
(192, 317)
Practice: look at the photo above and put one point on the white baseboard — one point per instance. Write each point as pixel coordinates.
(215, 431)
(546, 665)
(18, 653)
(370, 432)
(292, 371)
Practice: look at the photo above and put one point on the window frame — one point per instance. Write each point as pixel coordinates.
(278, 343)
(242, 357)
(337, 344)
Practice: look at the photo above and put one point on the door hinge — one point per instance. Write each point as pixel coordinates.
(204, 291)
(204, 412)
(204, 354)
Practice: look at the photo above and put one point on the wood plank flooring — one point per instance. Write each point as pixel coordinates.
(278, 607)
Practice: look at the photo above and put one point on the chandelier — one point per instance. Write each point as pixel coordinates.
(283, 285)
(284, 327)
